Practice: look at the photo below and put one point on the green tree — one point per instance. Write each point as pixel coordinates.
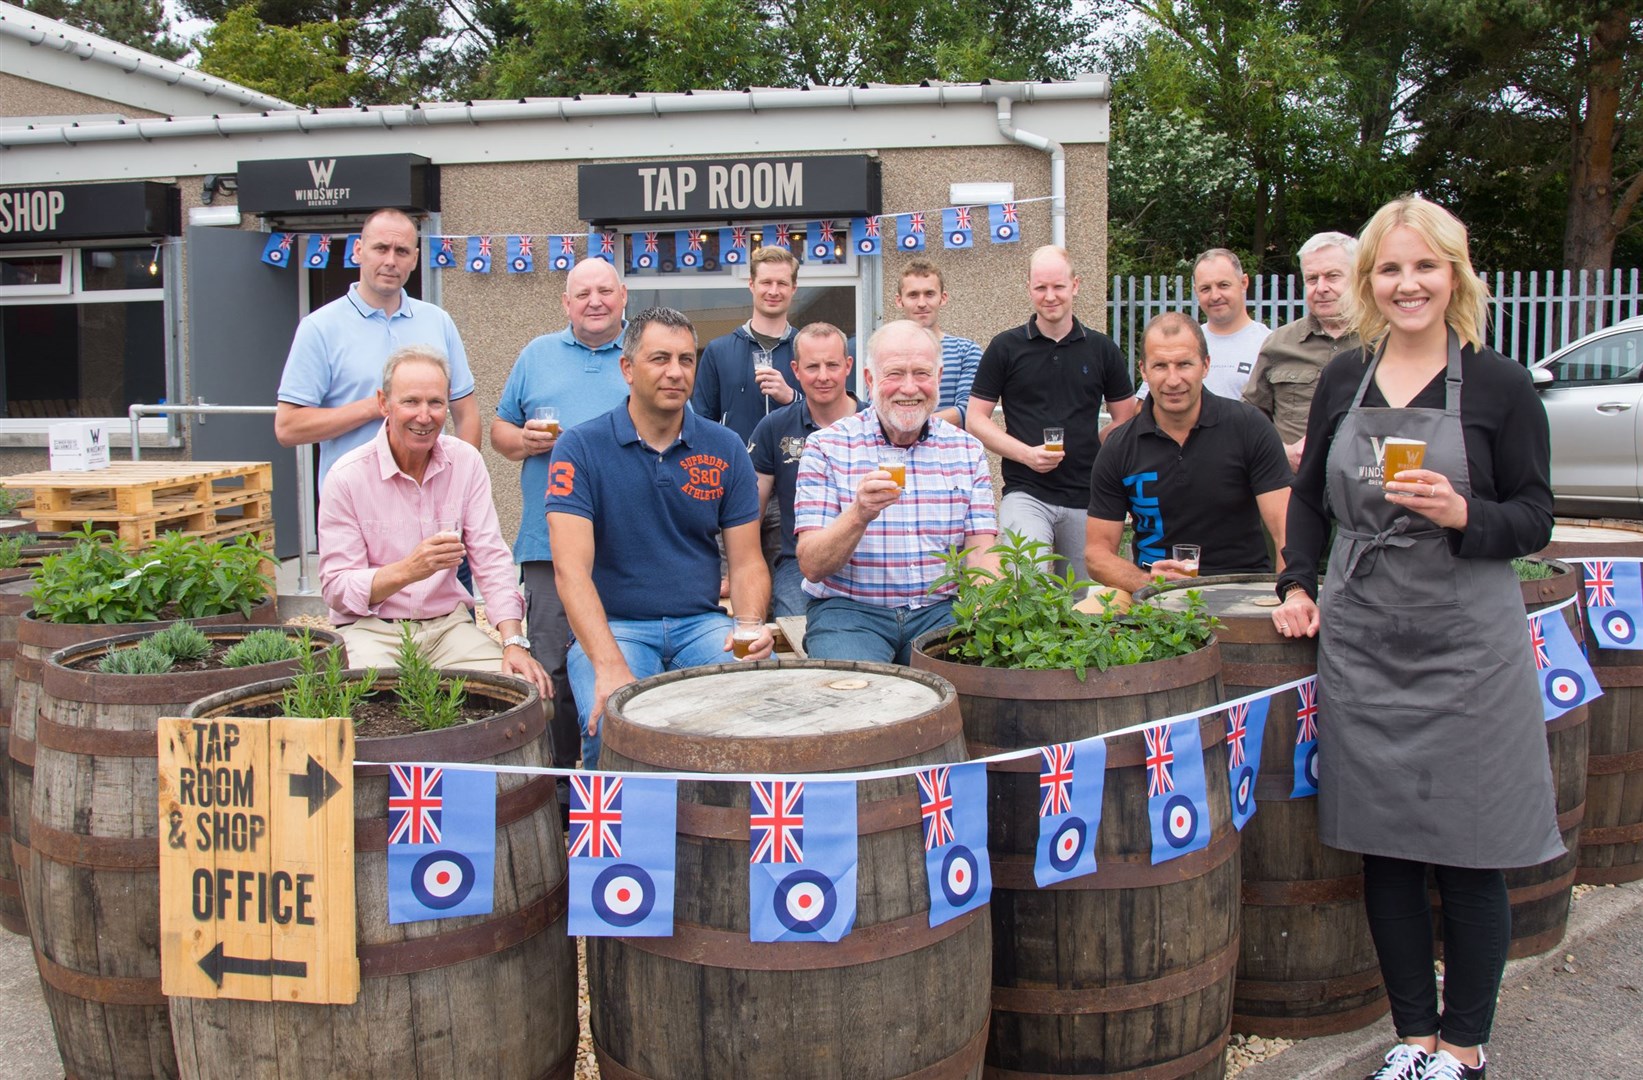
(303, 64)
(138, 23)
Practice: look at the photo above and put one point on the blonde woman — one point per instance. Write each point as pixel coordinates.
(1432, 751)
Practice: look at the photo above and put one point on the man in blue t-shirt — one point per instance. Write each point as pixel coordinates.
(637, 499)
(578, 372)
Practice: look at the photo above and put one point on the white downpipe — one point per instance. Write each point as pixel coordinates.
(1058, 169)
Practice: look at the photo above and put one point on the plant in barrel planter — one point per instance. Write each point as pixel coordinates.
(95, 830)
(1070, 993)
(506, 980)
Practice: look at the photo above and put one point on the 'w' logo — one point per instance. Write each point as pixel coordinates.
(321, 172)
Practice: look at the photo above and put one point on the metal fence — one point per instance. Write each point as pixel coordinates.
(1531, 313)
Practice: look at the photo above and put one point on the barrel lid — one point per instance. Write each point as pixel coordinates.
(786, 717)
(1578, 531)
(1232, 596)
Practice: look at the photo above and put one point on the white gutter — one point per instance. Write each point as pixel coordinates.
(1058, 167)
(570, 110)
(39, 32)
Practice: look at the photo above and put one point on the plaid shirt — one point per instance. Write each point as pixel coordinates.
(949, 496)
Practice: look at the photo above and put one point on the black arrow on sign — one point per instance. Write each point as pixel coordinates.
(216, 965)
(316, 785)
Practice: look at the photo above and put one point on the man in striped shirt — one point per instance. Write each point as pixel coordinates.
(867, 545)
(921, 296)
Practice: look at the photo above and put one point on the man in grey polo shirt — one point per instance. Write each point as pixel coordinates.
(579, 372)
(328, 390)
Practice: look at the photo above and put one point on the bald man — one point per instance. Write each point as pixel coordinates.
(577, 371)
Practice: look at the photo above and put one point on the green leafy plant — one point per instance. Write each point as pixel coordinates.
(180, 641)
(320, 694)
(143, 659)
(206, 578)
(1025, 617)
(425, 698)
(1533, 569)
(100, 580)
(9, 501)
(268, 646)
(11, 550)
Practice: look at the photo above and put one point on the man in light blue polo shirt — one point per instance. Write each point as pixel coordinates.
(577, 371)
(328, 390)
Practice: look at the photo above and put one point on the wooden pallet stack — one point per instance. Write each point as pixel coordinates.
(139, 500)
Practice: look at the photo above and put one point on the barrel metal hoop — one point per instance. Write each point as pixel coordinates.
(1260, 676)
(1123, 752)
(128, 853)
(1571, 818)
(1609, 875)
(22, 750)
(1066, 1001)
(94, 742)
(1308, 991)
(705, 946)
(730, 822)
(103, 989)
(1306, 891)
(1307, 1027)
(1575, 717)
(1591, 836)
(1164, 1070)
(516, 804)
(25, 666)
(9, 887)
(458, 946)
(564, 1068)
(1612, 764)
(1121, 871)
(1609, 676)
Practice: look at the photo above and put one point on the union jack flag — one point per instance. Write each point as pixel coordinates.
(285, 241)
(485, 246)
(777, 822)
(1537, 638)
(525, 246)
(695, 240)
(1237, 731)
(1010, 213)
(1599, 584)
(936, 801)
(416, 803)
(324, 245)
(595, 816)
(1055, 780)
(1160, 777)
(1306, 711)
(917, 221)
(738, 238)
(607, 243)
(963, 214)
(445, 245)
(871, 224)
(650, 241)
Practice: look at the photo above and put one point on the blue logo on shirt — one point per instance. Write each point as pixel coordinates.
(1149, 519)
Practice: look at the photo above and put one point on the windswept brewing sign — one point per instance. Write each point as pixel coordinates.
(325, 184)
(836, 186)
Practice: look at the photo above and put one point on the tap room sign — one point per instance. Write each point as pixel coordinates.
(325, 185)
(805, 188)
(54, 212)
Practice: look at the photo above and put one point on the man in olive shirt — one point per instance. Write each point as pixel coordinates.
(1292, 356)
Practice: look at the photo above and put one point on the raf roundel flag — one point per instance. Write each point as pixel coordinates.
(776, 236)
(687, 248)
(520, 259)
(1614, 602)
(277, 251)
(820, 242)
(1306, 739)
(733, 246)
(318, 256)
(1566, 679)
(953, 803)
(441, 252)
(955, 227)
(602, 245)
(561, 253)
(621, 844)
(1177, 800)
(1006, 223)
(864, 236)
(645, 251)
(910, 231)
(479, 254)
(350, 252)
(802, 874)
(1072, 778)
(1246, 728)
(441, 843)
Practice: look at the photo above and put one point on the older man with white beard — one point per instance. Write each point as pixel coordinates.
(867, 537)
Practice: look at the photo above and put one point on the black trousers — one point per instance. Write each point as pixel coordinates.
(1477, 926)
(549, 631)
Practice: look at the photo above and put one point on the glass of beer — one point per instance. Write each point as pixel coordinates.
(1055, 439)
(762, 359)
(448, 528)
(896, 466)
(1187, 556)
(546, 418)
(748, 629)
(1398, 455)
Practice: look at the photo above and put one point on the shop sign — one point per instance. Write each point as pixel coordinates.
(328, 184)
(54, 212)
(732, 189)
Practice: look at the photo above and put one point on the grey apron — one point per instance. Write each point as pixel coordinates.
(1431, 738)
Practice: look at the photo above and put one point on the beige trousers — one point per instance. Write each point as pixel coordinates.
(453, 641)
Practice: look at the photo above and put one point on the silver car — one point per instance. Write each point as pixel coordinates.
(1593, 393)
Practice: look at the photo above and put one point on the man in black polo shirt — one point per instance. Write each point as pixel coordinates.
(1050, 373)
(1191, 468)
(823, 370)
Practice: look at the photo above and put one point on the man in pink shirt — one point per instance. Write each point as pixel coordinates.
(397, 516)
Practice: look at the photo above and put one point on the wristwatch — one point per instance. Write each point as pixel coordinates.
(517, 639)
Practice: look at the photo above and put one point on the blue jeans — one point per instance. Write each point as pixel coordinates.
(650, 647)
(787, 595)
(840, 629)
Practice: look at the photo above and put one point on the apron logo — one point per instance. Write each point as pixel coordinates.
(1371, 474)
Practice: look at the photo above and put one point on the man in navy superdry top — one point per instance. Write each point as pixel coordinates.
(637, 500)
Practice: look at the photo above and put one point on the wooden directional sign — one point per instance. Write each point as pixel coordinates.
(257, 859)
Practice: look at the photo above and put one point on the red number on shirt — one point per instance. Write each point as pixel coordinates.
(561, 478)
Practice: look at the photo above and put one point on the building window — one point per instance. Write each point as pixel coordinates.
(88, 348)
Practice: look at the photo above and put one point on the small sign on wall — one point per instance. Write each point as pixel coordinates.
(78, 446)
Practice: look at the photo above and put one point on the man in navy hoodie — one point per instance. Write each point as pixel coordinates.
(748, 372)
